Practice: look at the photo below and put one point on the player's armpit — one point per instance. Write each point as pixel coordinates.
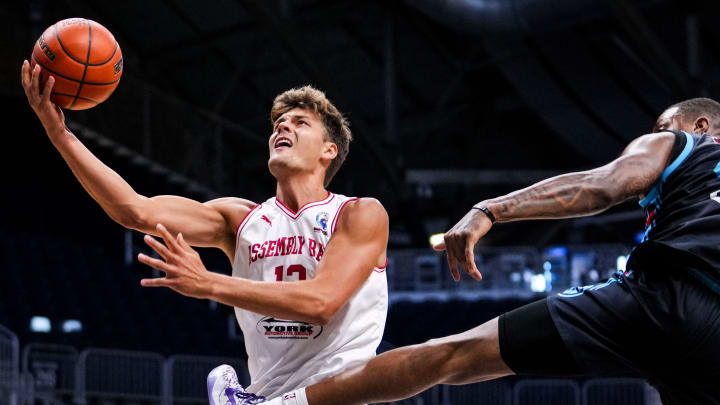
(357, 246)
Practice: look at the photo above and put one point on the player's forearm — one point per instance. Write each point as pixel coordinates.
(296, 300)
(565, 196)
(114, 194)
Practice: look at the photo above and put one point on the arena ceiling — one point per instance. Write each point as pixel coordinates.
(450, 101)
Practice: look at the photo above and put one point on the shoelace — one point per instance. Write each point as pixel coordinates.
(250, 398)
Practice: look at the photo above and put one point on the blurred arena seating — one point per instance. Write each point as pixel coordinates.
(58, 375)
(89, 294)
(64, 279)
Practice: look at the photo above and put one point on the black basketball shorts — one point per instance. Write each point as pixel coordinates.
(660, 325)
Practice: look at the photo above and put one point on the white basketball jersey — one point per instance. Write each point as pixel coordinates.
(276, 244)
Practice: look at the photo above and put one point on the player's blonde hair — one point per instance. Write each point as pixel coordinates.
(337, 128)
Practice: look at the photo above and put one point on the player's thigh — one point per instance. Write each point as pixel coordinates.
(530, 343)
(471, 356)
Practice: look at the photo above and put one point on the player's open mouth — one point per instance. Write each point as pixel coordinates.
(283, 142)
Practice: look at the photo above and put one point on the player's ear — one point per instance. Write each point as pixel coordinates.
(701, 125)
(330, 150)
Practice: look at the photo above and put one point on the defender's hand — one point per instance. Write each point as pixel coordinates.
(460, 241)
(184, 271)
(51, 116)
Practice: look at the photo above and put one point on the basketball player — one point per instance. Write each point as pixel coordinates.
(308, 282)
(659, 320)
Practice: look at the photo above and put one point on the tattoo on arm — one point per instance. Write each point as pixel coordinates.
(589, 192)
(560, 197)
(575, 194)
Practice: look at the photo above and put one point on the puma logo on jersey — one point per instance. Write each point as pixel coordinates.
(266, 219)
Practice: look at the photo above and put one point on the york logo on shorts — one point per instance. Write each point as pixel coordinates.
(281, 329)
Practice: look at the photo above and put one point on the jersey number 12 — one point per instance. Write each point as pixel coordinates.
(292, 269)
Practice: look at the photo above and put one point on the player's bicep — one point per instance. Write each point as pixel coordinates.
(640, 165)
(200, 223)
(357, 244)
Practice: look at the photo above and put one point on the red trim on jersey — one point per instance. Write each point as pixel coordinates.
(383, 268)
(339, 211)
(294, 215)
(245, 220)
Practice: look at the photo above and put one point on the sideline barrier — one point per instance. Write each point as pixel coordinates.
(185, 377)
(488, 392)
(546, 391)
(52, 368)
(9, 367)
(614, 391)
(118, 374)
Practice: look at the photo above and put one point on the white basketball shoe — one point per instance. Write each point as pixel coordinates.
(224, 388)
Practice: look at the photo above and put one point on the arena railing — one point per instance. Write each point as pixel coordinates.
(117, 376)
(429, 397)
(601, 391)
(52, 368)
(546, 392)
(105, 374)
(9, 367)
(184, 377)
(26, 391)
(488, 392)
(521, 391)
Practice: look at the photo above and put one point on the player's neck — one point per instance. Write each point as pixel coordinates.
(294, 194)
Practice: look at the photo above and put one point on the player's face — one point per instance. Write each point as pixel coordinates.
(299, 144)
(670, 120)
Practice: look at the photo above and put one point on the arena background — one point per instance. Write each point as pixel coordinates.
(450, 102)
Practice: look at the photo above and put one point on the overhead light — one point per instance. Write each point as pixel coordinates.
(72, 326)
(556, 251)
(40, 324)
(538, 283)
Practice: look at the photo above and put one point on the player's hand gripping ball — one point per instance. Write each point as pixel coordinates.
(85, 60)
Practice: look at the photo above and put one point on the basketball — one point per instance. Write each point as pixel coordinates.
(85, 60)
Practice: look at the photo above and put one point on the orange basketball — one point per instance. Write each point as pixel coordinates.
(85, 60)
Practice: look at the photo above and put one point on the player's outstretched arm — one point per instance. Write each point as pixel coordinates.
(354, 250)
(565, 196)
(203, 224)
(593, 191)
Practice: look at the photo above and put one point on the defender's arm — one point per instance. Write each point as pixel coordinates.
(350, 257)
(593, 191)
(566, 196)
